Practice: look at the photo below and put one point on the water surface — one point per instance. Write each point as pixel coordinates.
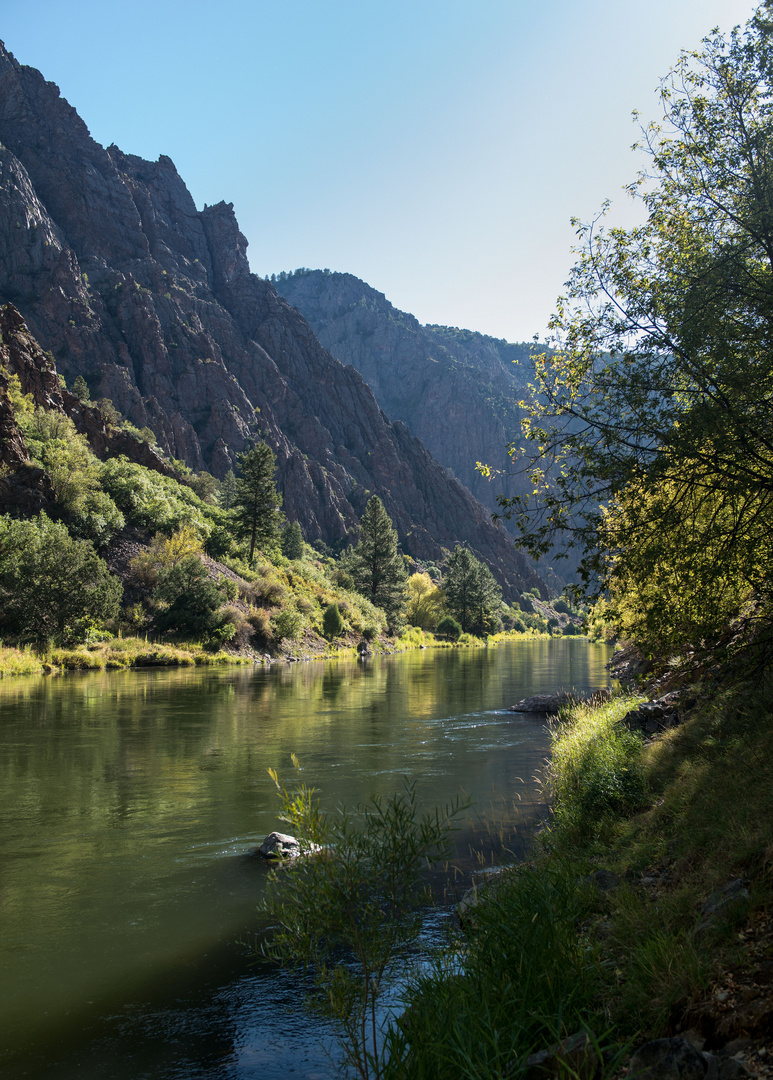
(130, 803)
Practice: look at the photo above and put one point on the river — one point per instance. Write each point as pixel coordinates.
(130, 804)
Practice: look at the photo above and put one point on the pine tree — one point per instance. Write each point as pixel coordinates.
(292, 541)
(257, 504)
(228, 489)
(377, 566)
(472, 594)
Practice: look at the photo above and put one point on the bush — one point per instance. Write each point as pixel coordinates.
(562, 606)
(191, 599)
(51, 586)
(348, 918)
(288, 624)
(332, 622)
(448, 627)
(260, 621)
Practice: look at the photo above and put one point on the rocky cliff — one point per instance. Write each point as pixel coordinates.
(457, 390)
(122, 280)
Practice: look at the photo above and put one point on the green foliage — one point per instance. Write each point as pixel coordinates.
(149, 499)
(52, 587)
(655, 400)
(376, 565)
(472, 594)
(205, 485)
(426, 602)
(288, 624)
(188, 599)
(228, 490)
(596, 768)
(349, 911)
(292, 541)
(562, 606)
(332, 622)
(449, 627)
(520, 977)
(80, 389)
(256, 510)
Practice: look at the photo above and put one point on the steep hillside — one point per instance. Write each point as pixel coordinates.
(457, 390)
(124, 281)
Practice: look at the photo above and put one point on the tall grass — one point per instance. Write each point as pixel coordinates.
(520, 976)
(596, 769)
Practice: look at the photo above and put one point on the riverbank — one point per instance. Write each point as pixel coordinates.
(645, 912)
(134, 652)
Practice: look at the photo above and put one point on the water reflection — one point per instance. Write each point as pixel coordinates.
(129, 800)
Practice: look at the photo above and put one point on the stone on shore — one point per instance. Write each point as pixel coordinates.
(548, 704)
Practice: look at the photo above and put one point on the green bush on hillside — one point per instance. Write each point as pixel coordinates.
(52, 587)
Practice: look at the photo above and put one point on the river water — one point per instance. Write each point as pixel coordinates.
(129, 807)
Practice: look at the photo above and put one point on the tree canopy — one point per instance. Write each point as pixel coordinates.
(649, 438)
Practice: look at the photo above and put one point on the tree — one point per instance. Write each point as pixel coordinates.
(190, 599)
(332, 622)
(376, 564)
(80, 389)
(51, 586)
(472, 594)
(257, 504)
(426, 602)
(228, 490)
(292, 541)
(650, 436)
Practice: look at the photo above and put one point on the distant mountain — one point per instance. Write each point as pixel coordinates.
(122, 280)
(457, 390)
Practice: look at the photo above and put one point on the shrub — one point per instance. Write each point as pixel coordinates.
(562, 606)
(51, 586)
(288, 624)
(332, 622)
(190, 597)
(448, 627)
(260, 621)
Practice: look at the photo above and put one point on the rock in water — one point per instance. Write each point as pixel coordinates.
(279, 845)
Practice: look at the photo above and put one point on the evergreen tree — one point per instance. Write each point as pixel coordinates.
(81, 390)
(257, 505)
(292, 541)
(377, 566)
(228, 489)
(472, 595)
(332, 622)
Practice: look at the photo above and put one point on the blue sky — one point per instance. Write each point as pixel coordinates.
(435, 148)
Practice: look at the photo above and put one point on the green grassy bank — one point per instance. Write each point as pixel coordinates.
(618, 925)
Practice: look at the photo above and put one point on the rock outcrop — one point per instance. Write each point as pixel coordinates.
(123, 281)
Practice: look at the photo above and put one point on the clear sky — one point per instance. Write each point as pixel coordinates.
(435, 148)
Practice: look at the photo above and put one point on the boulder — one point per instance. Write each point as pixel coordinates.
(668, 1059)
(548, 704)
(279, 845)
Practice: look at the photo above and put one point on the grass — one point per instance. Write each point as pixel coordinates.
(548, 953)
(120, 653)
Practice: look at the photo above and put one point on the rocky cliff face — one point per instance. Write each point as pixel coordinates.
(457, 390)
(125, 282)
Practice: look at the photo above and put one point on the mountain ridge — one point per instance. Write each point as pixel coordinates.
(121, 278)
